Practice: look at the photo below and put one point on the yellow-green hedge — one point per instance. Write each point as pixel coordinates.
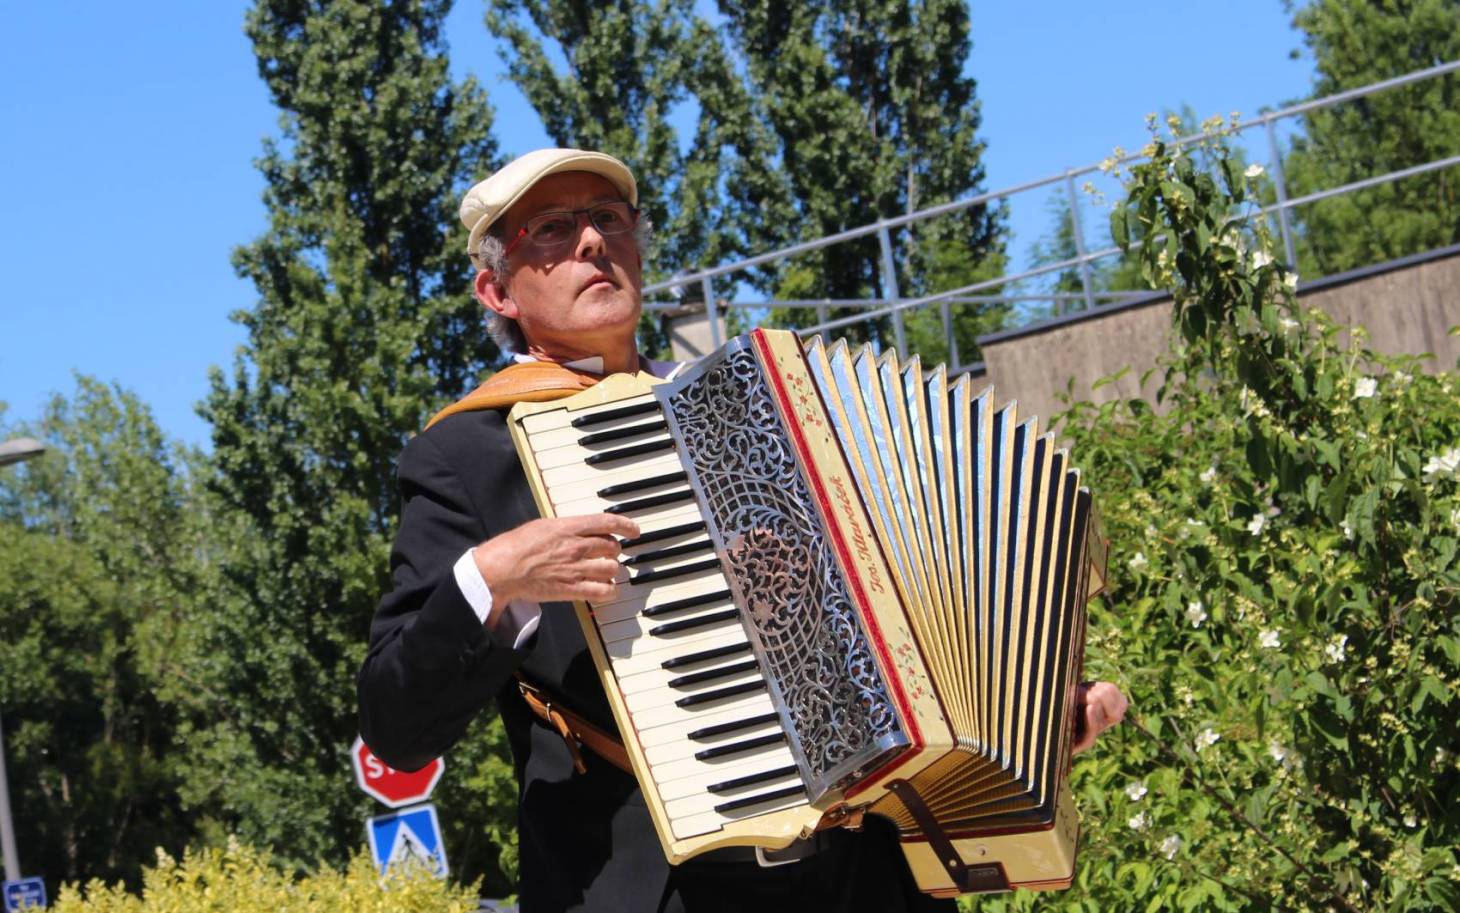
(240, 879)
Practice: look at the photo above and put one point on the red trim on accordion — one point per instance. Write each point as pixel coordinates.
(869, 619)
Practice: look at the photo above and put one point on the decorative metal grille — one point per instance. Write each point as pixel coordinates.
(787, 580)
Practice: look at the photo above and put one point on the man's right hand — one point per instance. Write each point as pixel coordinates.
(555, 559)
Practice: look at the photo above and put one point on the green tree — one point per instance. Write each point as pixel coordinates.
(809, 119)
(364, 324)
(98, 558)
(1355, 43)
(874, 117)
(1283, 601)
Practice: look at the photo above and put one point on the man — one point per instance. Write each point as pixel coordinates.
(479, 582)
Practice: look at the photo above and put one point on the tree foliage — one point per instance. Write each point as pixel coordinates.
(363, 325)
(1284, 608)
(809, 119)
(97, 557)
(1355, 43)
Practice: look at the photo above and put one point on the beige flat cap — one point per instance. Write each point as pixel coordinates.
(485, 203)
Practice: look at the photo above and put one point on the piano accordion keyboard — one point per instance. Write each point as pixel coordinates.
(712, 739)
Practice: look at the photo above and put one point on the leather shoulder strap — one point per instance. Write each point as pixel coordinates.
(529, 382)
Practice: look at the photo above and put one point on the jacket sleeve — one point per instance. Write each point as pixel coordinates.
(431, 666)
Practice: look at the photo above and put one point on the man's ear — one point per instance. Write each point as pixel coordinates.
(493, 295)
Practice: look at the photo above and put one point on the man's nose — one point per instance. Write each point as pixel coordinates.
(590, 241)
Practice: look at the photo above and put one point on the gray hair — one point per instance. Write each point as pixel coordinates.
(491, 256)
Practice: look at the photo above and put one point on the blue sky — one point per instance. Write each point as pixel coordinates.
(130, 130)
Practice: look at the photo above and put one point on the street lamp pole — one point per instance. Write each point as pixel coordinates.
(14, 451)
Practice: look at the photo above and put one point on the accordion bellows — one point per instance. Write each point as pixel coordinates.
(859, 588)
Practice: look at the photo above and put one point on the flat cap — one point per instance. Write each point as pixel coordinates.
(485, 203)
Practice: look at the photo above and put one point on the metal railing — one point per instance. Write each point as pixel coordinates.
(892, 305)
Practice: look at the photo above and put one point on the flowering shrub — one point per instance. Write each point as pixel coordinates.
(1283, 591)
(242, 880)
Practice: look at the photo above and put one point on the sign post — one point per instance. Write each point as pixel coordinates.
(393, 787)
(412, 836)
(24, 893)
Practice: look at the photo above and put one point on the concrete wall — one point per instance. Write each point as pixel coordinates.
(1407, 306)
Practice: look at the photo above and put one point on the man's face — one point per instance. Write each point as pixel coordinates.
(579, 299)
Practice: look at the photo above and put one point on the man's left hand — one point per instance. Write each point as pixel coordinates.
(1099, 706)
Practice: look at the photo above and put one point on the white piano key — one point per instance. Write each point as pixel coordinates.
(658, 678)
(753, 705)
(679, 749)
(629, 657)
(704, 801)
(562, 418)
(669, 714)
(700, 775)
(640, 626)
(708, 822)
(658, 697)
(636, 599)
(546, 441)
(573, 455)
(570, 489)
(609, 473)
(676, 588)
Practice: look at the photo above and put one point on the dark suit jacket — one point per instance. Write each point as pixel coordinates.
(586, 842)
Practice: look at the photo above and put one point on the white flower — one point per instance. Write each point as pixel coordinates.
(1206, 738)
(1139, 822)
(1335, 649)
(1169, 846)
(1138, 562)
(1255, 525)
(1135, 792)
(1253, 171)
(1288, 324)
(1196, 613)
(1455, 518)
(1291, 281)
(1409, 821)
(1209, 475)
(1401, 378)
(1278, 752)
(1269, 640)
(1443, 464)
(1260, 259)
(1348, 531)
(1365, 387)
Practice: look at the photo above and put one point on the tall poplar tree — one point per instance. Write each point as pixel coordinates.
(363, 325)
(1355, 43)
(809, 118)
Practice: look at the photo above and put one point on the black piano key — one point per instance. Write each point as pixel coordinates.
(699, 735)
(618, 434)
(689, 624)
(611, 415)
(668, 497)
(709, 675)
(720, 751)
(674, 551)
(659, 535)
(720, 694)
(623, 453)
(748, 801)
(692, 658)
(665, 573)
(623, 488)
(751, 779)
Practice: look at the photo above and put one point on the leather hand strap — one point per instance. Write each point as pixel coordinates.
(575, 730)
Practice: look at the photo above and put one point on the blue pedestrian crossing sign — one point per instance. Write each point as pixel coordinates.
(410, 834)
(24, 892)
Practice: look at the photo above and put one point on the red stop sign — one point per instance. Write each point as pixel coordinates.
(393, 787)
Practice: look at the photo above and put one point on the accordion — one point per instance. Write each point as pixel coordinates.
(859, 588)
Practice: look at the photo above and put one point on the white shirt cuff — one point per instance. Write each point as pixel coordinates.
(517, 622)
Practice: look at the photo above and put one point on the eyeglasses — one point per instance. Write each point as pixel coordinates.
(549, 230)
